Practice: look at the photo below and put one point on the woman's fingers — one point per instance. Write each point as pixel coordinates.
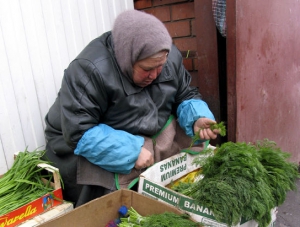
(207, 134)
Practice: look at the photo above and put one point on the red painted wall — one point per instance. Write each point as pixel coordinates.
(268, 72)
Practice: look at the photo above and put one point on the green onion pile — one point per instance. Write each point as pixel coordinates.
(166, 219)
(243, 180)
(22, 183)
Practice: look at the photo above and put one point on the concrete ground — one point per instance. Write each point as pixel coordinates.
(289, 212)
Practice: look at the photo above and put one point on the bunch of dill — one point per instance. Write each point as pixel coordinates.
(243, 180)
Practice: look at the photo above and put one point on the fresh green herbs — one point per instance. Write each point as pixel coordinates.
(181, 186)
(22, 183)
(166, 219)
(243, 180)
(220, 126)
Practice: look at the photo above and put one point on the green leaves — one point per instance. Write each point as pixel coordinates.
(22, 183)
(243, 180)
(166, 219)
(220, 126)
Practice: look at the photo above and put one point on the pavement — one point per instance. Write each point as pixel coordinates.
(289, 212)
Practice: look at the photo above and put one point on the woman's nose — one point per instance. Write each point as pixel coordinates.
(153, 74)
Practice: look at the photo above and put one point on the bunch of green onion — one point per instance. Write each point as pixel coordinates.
(166, 219)
(133, 218)
(22, 183)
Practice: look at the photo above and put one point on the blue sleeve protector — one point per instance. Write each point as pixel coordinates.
(113, 150)
(191, 110)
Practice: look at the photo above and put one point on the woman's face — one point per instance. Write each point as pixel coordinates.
(147, 70)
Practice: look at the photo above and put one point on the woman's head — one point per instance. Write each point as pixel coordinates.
(139, 36)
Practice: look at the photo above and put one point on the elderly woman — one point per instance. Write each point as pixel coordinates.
(117, 95)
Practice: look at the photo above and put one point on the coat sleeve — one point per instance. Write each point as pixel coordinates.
(113, 150)
(184, 90)
(83, 100)
(83, 103)
(189, 105)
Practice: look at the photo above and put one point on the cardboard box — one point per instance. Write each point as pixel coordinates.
(98, 212)
(48, 215)
(38, 206)
(154, 180)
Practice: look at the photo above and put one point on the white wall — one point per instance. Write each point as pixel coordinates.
(38, 39)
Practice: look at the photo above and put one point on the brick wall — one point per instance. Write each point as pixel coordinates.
(179, 18)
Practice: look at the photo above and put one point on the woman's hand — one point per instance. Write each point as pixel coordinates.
(202, 126)
(144, 160)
